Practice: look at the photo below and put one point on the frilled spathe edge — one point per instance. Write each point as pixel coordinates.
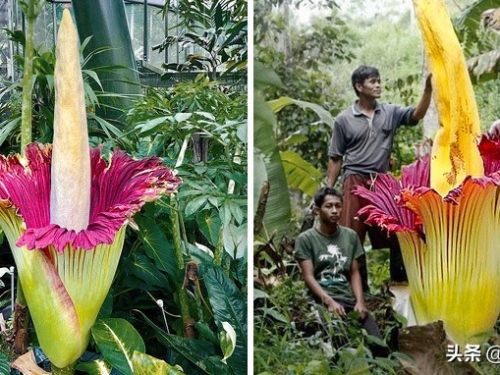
(119, 189)
(386, 209)
(393, 202)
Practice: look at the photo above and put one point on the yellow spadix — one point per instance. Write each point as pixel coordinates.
(454, 154)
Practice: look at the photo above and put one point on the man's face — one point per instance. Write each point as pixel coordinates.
(370, 87)
(329, 212)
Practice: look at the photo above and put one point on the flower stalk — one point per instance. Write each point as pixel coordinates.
(187, 320)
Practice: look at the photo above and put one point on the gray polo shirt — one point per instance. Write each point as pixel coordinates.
(366, 144)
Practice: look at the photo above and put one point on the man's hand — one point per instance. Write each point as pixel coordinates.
(334, 307)
(360, 307)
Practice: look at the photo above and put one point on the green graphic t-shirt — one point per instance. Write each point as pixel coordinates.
(331, 257)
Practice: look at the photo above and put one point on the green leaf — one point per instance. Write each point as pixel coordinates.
(228, 305)
(151, 126)
(236, 211)
(146, 364)
(147, 271)
(4, 364)
(7, 128)
(301, 174)
(214, 365)
(209, 224)
(235, 240)
(97, 367)
(227, 338)
(206, 333)
(195, 205)
(295, 139)
(324, 116)
(193, 350)
(199, 255)
(156, 244)
(276, 315)
(264, 77)
(278, 207)
(117, 339)
(181, 117)
(257, 293)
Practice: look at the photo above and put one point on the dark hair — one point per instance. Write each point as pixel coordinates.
(320, 195)
(361, 73)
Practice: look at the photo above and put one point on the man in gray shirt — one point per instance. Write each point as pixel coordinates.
(361, 143)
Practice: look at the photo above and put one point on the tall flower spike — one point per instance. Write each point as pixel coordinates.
(454, 152)
(70, 148)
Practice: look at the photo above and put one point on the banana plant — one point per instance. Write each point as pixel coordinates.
(281, 169)
(64, 210)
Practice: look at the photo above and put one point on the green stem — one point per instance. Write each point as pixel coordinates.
(187, 321)
(68, 370)
(219, 249)
(176, 233)
(29, 54)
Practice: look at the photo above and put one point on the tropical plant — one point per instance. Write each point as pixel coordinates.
(218, 28)
(302, 58)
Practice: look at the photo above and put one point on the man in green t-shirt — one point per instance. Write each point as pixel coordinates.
(328, 257)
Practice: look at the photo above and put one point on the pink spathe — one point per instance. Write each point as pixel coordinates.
(118, 190)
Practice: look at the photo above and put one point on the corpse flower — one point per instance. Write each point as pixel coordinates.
(64, 210)
(445, 209)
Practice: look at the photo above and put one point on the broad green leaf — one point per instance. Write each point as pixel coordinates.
(228, 305)
(97, 367)
(276, 315)
(264, 77)
(209, 224)
(195, 205)
(225, 214)
(236, 211)
(295, 139)
(199, 255)
(278, 207)
(117, 340)
(205, 332)
(149, 365)
(324, 116)
(301, 174)
(7, 129)
(235, 240)
(145, 270)
(214, 365)
(156, 244)
(180, 117)
(193, 350)
(4, 364)
(150, 126)
(227, 340)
